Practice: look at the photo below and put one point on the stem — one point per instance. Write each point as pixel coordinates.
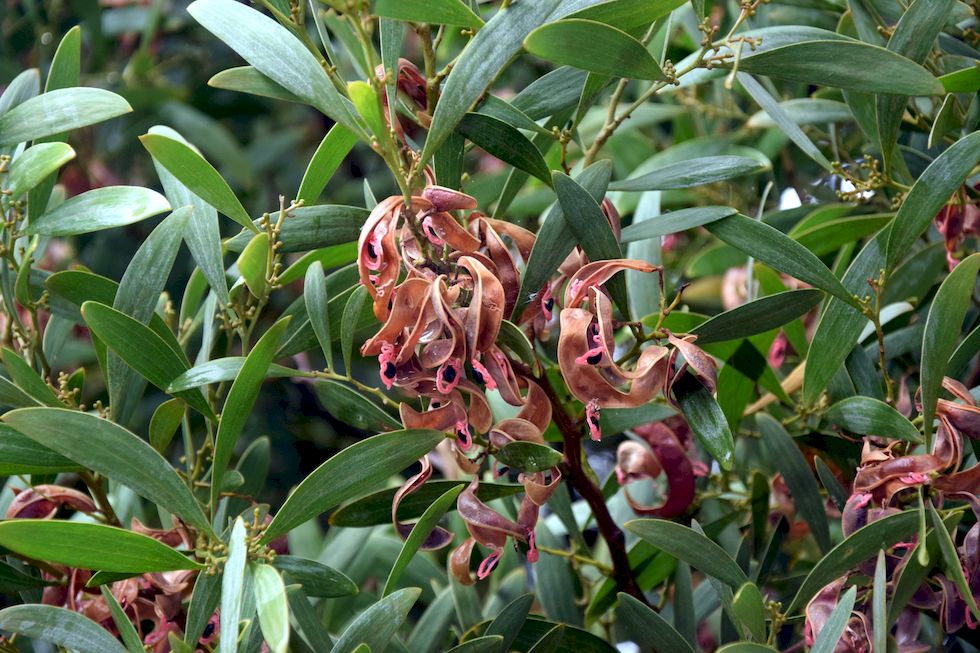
(572, 467)
(97, 487)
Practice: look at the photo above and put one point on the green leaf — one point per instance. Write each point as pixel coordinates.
(240, 400)
(220, 370)
(392, 39)
(480, 63)
(140, 348)
(693, 172)
(966, 80)
(628, 14)
(328, 156)
(28, 380)
(275, 53)
(59, 111)
(308, 620)
(485, 644)
(22, 455)
(349, 321)
(21, 88)
(789, 460)
(375, 509)
(779, 251)
(503, 110)
(246, 79)
(504, 142)
(551, 93)
(110, 450)
(528, 456)
(841, 324)
(831, 236)
(310, 227)
(13, 580)
(862, 545)
(201, 232)
(368, 107)
(690, 546)
(329, 257)
(591, 229)
(376, 625)
(867, 416)
(165, 422)
(942, 330)
(593, 46)
(232, 587)
(423, 527)
(90, 546)
(34, 164)
(97, 209)
(749, 605)
(507, 624)
(785, 123)
(555, 239)
(930, 193)
(850, 65)
(440, 12)
(647, 628)
(316, 578)
(193, 171)
(803, 111)
(673, 222)
(60, 627)
(125, 627)
(329, 485)
(271, 606)
(253, 263)
(352, 408)
(830, 635)
(706, 419)
(757, 316)
(951, 560)
(879, 593)
(315, 296)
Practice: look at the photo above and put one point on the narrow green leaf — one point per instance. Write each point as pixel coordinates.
(786, 124)
(830, 635)
(241, 397)
(480, 63)
(593, 46)
(867, 416)
(348, 323)
(28, 380)
(790, 462)
(592, 231)
(377, 624)
(110, 450)
(880, 624)
(125, 627)
(484, 644)
(706, 419)
(59, 111)
(232, 587)
(253, 264)
(862, 545)
(757, 316)
(199, 176)
(165, 422)
(423, 527)
(90, 546)
(220, 370)
(674, 222)
(555, 239)
(203, 603)
(275, 53)
(352, 408)
(440, 12)
(692, 172)
(648, 629)
(317, 579)
(271, 606)
(326, 160)
(308, 620)
(951, 560)
(328, 486)
(690, 546)
(850, 65)
(779, 251)
(966, 80)
(97, 209)
(528, 456)
(942, 330)
(310, 227)
(549, 641)
(315, 296)
(22, 455)
(368, 106)
(929, 194)
(246, 79)
(504, 142)
(60, 627)
(507, 624)
(34, 164)
(804, 111)
(392, 37)
(503, 110)
(749, 605)
(628, 14)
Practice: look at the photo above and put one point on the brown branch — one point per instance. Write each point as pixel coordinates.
(572, 468)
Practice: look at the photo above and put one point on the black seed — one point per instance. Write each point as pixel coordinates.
(591, 419)
(449, 374)
(478, 377)
(208, 630)
(389, 370)
(594, 358)
(390, 303)
(550, 304)
(371, 252)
